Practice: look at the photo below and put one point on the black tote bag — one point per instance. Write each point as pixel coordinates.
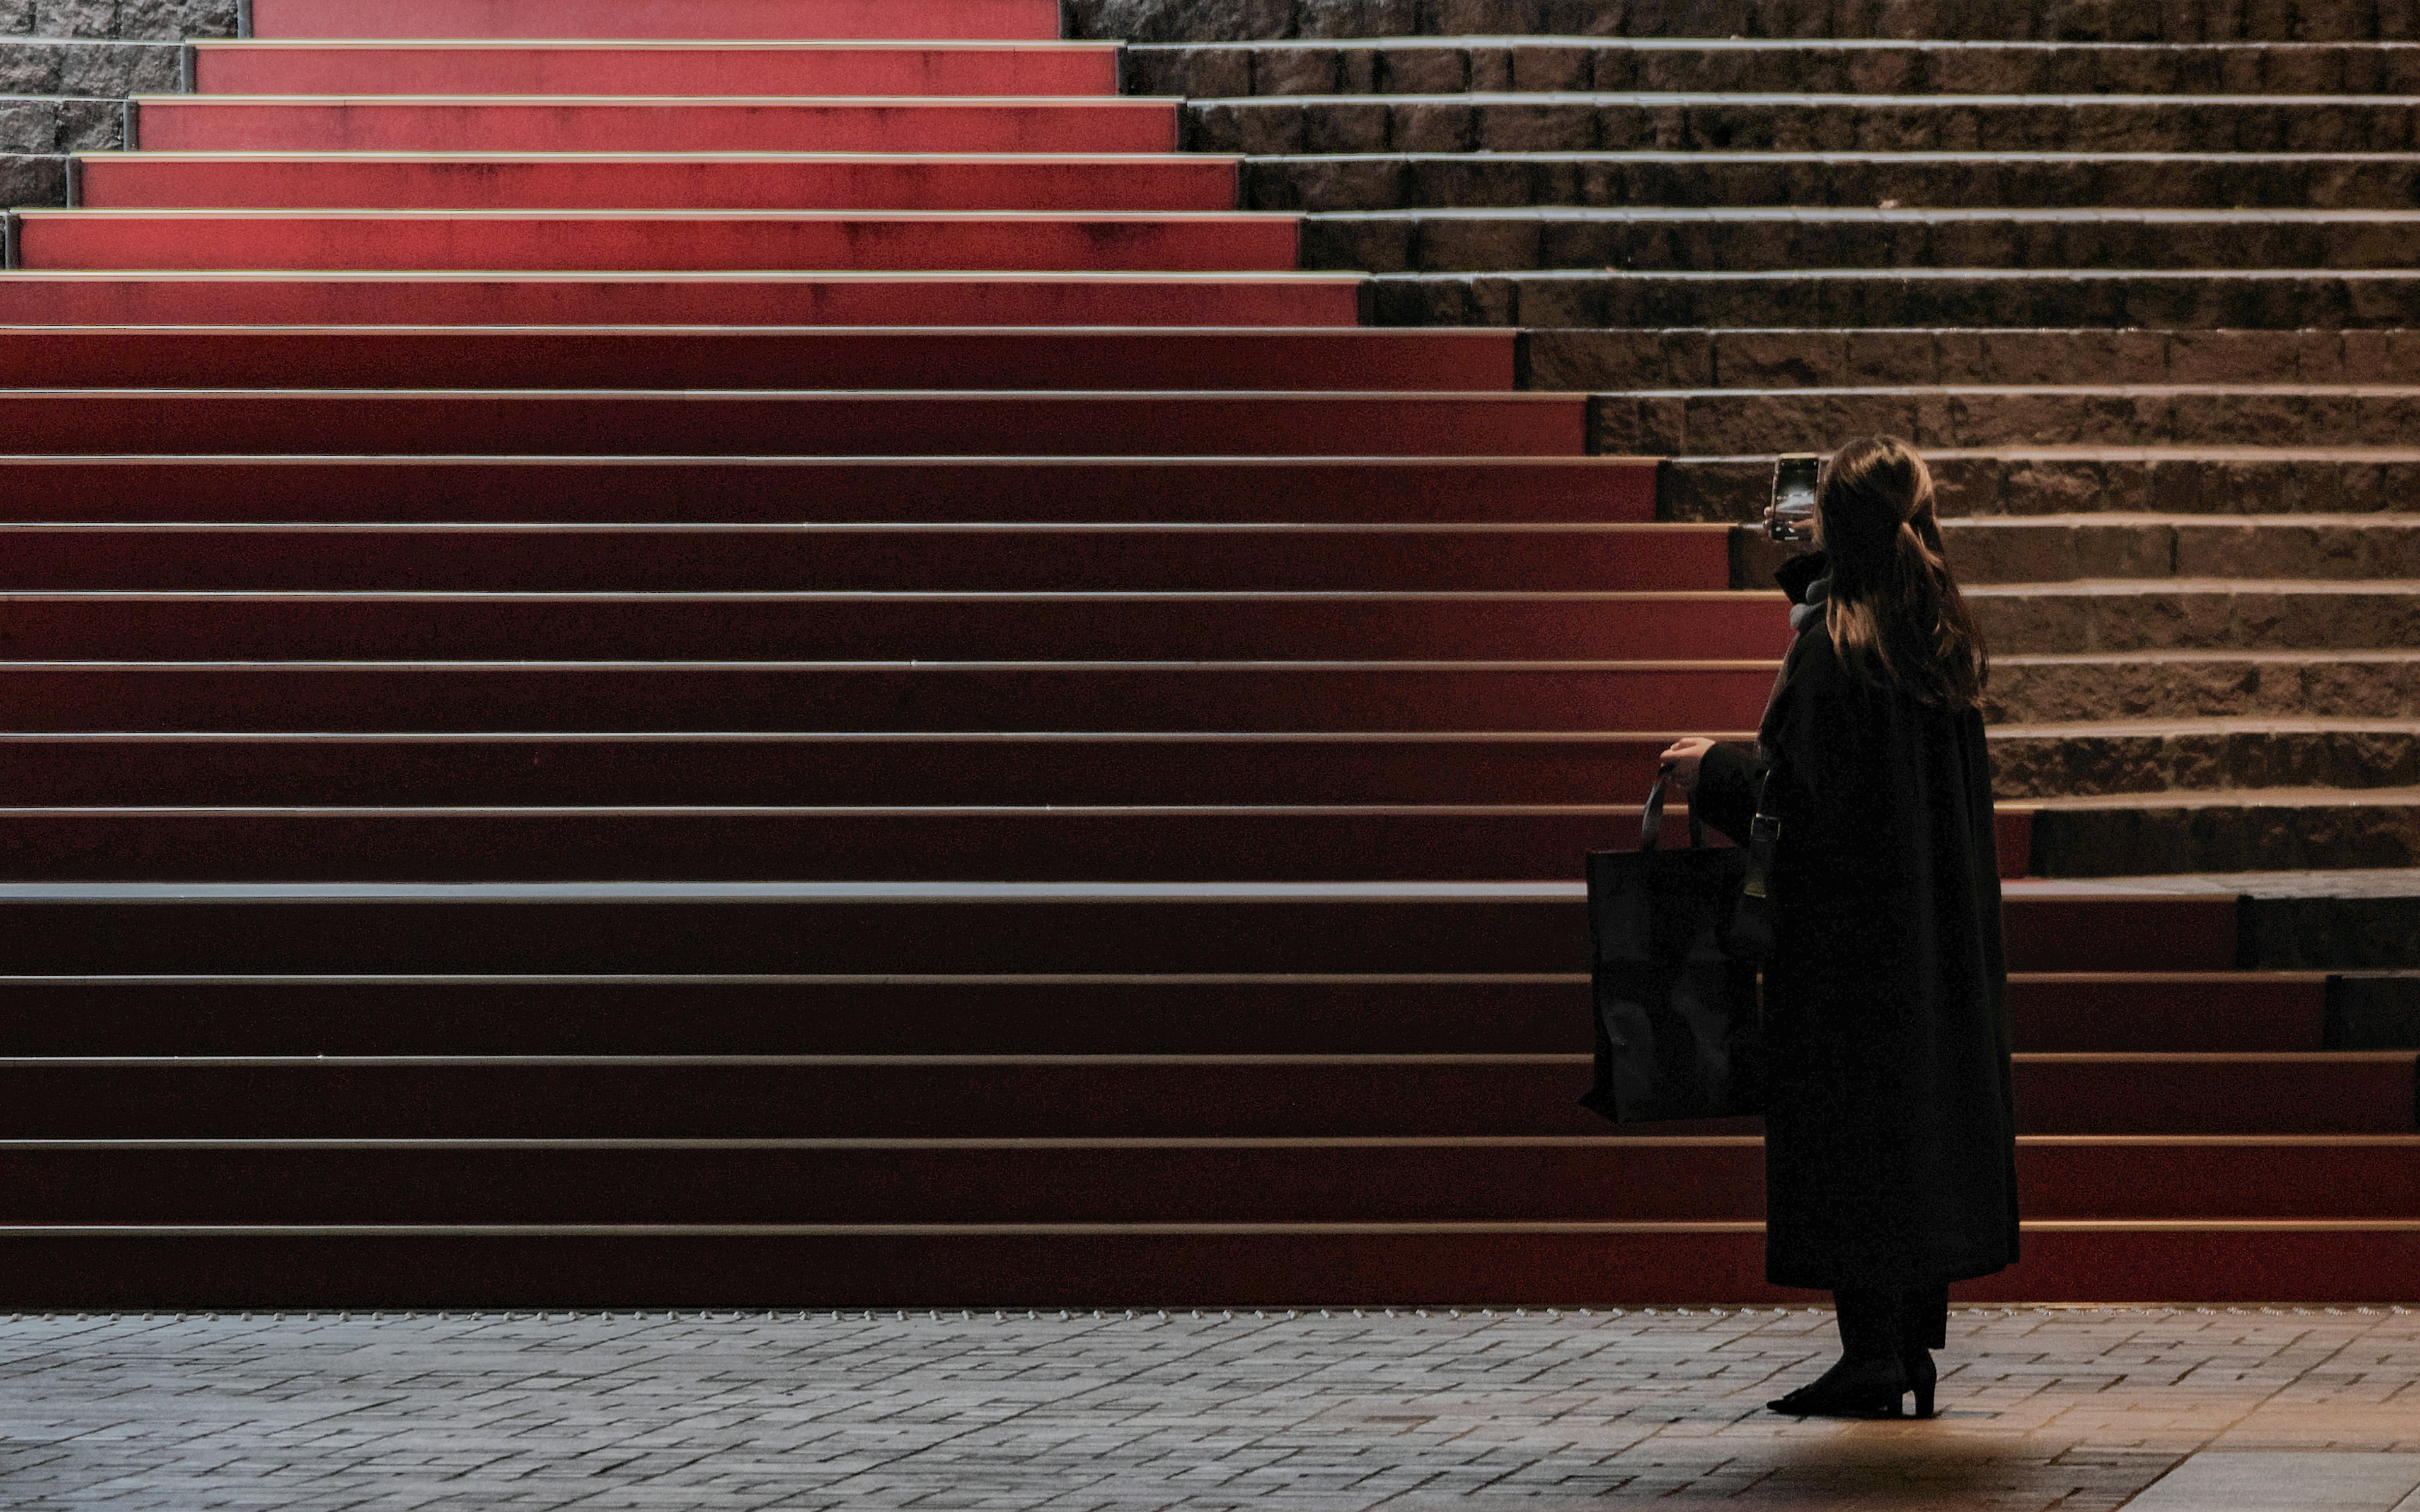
(1676, 954)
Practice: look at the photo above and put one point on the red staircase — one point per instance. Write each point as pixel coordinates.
(703, 669)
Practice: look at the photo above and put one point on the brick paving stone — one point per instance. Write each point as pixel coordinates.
(2067, 1408)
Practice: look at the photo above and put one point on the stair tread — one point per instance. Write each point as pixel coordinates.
(2305, 797)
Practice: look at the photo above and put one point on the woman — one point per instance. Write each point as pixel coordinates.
(1890, 1149)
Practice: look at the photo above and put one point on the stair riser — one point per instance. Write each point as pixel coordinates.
(2276, 301)
(2043, 620)
(1263, 127)
(884, 696)
(684, 19)
(386, 490)
(965, 184)
(2056, 553)
(237, 69)
(1784, 359)
(1730, 424)
(171, 124)
(1595, 1181)
(1274, 1268)
(1397, 243)
(2269, 837)
(789, 359)
(1779, 67)
(1738, 490)
(801, 423)
(2055, 691)
(802, 300)
(1548, 933)
(1978, 181)
(68, 239)
(859, 628)
(1537, 1013)
(964, 561)
(2347, 1094)
(1854, 21)
(2085, 763)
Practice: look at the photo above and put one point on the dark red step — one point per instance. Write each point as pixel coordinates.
(637, 240)
(485, 697)
(588, 123)
(724, 490)
(681, 19)
(661, 67)
(965, 769)
(1076, 1097)
(826, 423)
(729, 181)
(654, 356)
(1551, 1179)
(753, 298)
(852, 627)
(938, 929)
(1534, 1012)
(1211, 1266)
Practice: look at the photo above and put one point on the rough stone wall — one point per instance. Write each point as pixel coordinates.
(2116, 20)
(66, 70)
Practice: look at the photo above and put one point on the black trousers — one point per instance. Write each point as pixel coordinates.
(1882, 1322)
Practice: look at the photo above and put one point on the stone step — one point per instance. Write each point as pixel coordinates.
(1792, 358)
(2064, 548)
(2035, 688)
(1377, 182)
(2142, 756)
(2072, 21)
(93, 66)
(2247, 829)
(1444, 65)
(1599, 121)
(2105, 616)
(2042, 481)
(1678, 422)
(1778, 239)
(42, 124)
(1853, 297)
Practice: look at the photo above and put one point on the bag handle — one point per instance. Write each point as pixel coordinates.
(1650, 821)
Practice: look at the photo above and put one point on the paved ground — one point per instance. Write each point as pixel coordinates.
(2068, 1409)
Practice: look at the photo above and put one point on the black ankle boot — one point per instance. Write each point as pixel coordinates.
(1856, 1388)
(1921, 1375)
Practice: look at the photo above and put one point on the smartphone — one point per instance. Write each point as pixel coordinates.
(1794, 495)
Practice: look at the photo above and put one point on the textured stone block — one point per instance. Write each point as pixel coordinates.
(28, 180)
(1424, 70)
(1294, 70)
(1332, 126)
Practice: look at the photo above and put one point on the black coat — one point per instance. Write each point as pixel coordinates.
(1890, 1138)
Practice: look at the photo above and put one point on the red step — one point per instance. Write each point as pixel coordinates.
(487, 697)
(682, 19)
(1177, 1265)
(887, 557)
(665, 68)
(1085, 1097)
(753, 298)
(906, 627)
(1542, 1178)
(820, 423)
(943, 930)
(653, 490)
(809, 357)
(1531, 1012)
(591, 123)
(739, 182)
(934, 241)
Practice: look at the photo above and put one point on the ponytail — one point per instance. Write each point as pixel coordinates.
(1894, 611)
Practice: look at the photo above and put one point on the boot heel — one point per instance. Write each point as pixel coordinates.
(1922, 1375)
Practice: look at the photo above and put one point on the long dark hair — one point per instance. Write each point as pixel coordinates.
(1894, 611)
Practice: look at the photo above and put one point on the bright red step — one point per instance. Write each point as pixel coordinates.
(767, 19)
(825, 422)
(1356, 490)
(640, 239)
(753, 298)
(589, 182)
(671, 67)
(581, 123)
